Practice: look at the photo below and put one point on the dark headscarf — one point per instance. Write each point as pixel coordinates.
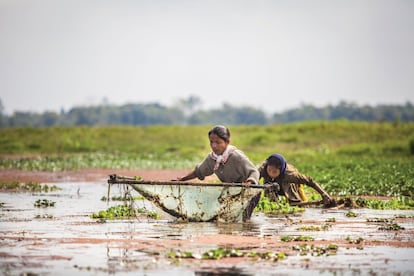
(282, 162)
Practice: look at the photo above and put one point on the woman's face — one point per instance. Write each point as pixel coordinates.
(218, 145)
(272, 171)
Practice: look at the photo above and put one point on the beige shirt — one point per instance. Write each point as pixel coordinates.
(237, 169)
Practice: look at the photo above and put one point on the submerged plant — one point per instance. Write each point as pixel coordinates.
(384, 220)
(122, 198)
(153, 215)
(178, 254)
(218, 253)
(44, 203)
(296, 238)
(391, 227)
(45, 216)
(273, 256)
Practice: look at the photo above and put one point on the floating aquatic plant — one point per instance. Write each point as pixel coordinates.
(383, 220)
(351, 214)
(324, 227)
(354, 241)
(123, 212)
(305, 249)
(280, 207)
(28, 187)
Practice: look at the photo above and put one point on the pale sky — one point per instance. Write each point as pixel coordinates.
(266, 54)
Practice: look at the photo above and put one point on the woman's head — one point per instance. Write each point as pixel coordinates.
(275, 165)
(219, 137)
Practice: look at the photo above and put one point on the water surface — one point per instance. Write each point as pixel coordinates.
(72, 242)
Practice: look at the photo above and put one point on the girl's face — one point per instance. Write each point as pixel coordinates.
(218, 145)
(272, 171)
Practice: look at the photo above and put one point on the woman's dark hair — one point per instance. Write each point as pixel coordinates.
(221, 131)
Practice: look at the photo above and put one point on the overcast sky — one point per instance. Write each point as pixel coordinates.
(265, 54)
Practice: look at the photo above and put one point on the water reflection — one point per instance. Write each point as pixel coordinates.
(124, 259)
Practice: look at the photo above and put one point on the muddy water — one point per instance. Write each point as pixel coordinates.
(64, 240)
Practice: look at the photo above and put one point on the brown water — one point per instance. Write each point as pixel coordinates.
(71, 242)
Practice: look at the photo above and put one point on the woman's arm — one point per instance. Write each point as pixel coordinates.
(190, 175)
(202, 170)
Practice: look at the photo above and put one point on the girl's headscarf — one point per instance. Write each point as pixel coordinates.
(282, 162)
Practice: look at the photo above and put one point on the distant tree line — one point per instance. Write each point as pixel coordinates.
(349, 111)
(149, 114)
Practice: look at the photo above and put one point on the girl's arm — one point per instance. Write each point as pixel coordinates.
(295, 177)
(326, 198)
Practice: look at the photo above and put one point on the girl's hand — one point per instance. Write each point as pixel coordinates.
(326, 199)
(247, 183)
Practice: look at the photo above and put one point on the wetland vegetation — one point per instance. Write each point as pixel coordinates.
(349, 159)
